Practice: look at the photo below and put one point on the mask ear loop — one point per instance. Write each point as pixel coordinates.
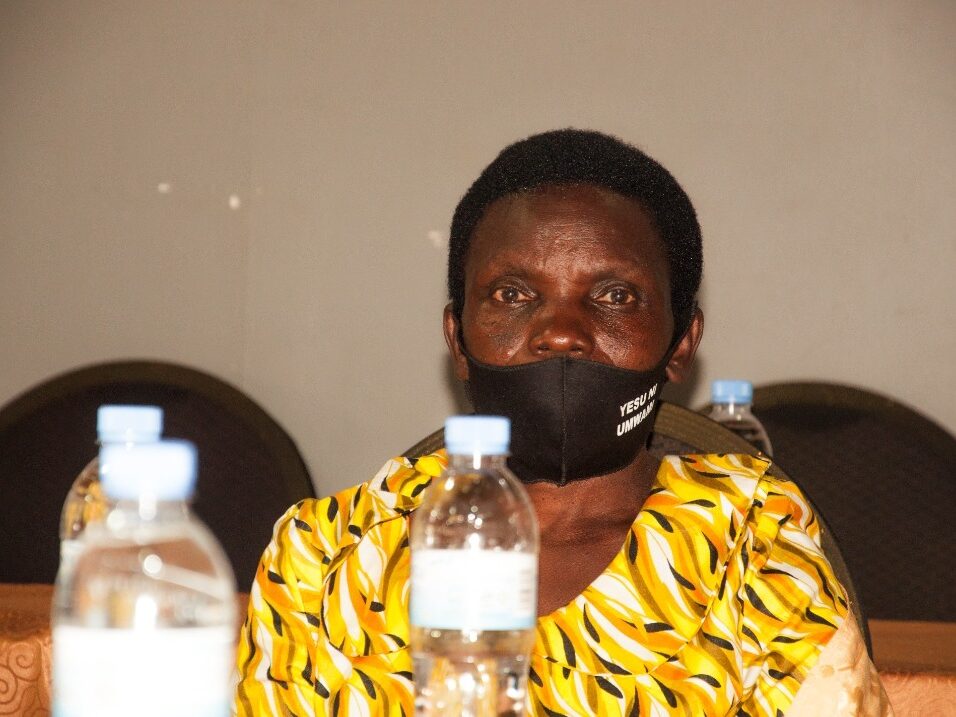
(461, 333)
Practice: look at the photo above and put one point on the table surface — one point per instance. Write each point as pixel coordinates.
(905, 646)
(26, 665)
(25, 668)
(912, 657)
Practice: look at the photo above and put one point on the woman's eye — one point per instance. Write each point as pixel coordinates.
(508, 295)
(618, 295)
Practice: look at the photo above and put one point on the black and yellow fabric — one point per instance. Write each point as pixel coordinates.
(719, 602)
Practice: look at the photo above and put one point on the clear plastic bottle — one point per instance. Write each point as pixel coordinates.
(85, 503)
(146, 624)
(474, 567)
(730, 406)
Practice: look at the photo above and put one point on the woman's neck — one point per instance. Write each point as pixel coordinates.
(595, 503)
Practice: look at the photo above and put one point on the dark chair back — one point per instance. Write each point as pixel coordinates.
(883, 475)
(250, 470)
(679, 431)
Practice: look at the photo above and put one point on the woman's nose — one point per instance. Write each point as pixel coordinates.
(561, 330)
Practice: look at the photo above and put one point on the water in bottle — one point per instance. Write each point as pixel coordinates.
(85, 503)
(474, 573)
(146, 624)
(731, 402)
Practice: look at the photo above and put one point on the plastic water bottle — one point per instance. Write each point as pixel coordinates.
(474, 578)
(85, 503)
(146, 626)
(731, 402)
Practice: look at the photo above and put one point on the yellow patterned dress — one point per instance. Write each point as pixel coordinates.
(718, 603)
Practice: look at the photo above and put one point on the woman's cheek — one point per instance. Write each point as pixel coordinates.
(494, 339)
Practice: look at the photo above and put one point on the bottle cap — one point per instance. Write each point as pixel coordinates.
(129, 424)
(468, 435)
(735, 391)
(163, 470)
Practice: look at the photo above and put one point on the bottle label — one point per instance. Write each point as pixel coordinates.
(185, 672)
(473, 589)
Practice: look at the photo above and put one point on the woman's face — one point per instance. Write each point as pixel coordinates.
(576, 270)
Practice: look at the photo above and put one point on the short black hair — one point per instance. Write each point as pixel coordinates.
(573, 156)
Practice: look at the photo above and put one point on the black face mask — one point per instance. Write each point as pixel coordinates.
(570, 418)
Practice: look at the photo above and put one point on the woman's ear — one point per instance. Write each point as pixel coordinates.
(452, 328)
(678, 368)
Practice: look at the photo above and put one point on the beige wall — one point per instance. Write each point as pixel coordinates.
(816, 139)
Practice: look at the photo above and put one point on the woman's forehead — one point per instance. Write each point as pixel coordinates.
(584, 219)
(552, 197)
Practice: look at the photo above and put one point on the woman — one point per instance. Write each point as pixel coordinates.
(690, 586)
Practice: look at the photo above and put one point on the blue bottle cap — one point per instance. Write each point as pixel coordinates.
(731, 391)
(129, 424)
(468, 435)
(162, 470)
